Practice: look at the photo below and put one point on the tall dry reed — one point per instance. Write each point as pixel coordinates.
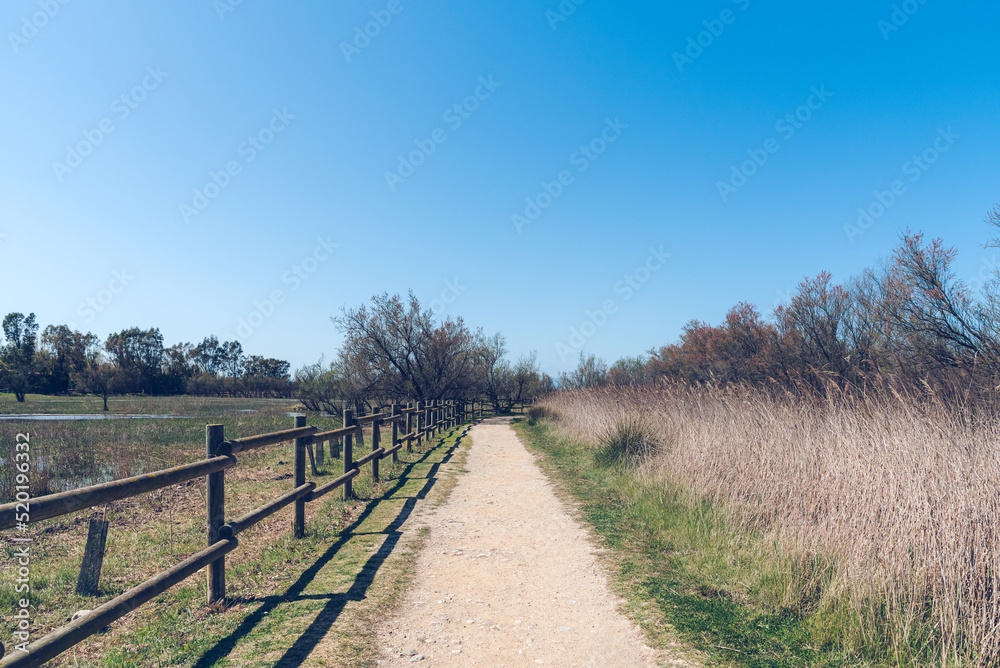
(896, 499)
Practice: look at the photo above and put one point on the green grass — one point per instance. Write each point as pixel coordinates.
(683, 571)
(285, 595)
(36, 404)
(73, 453)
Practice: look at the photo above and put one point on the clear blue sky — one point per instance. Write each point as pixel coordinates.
(183, 87)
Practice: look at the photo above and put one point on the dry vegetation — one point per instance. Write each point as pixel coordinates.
(882, 511)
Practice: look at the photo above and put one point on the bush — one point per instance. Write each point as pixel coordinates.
(536, 413)
(627, 440)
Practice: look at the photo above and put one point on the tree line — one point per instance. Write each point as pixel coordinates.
(909, 324)
(132, 361)
(394, 350)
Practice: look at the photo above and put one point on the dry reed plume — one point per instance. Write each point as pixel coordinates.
(886, 506)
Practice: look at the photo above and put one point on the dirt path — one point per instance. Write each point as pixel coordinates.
(508, 578)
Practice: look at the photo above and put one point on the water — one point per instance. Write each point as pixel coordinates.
(95, 417)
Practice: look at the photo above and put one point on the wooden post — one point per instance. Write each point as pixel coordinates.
(409, 427)
(299, 527)
(348, 454)
(93, 557)
(312, 459)
(395, 432)
(376, 437)
(335, 447)
(215, 495)
(320, 453)
(419, 422)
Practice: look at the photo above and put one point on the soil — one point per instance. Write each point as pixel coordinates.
(508, 577)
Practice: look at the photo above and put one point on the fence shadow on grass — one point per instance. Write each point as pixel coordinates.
(311, 637)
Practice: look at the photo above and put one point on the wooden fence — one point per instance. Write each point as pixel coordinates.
(419, 421)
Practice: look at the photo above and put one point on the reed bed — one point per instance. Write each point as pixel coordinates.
(882, 511)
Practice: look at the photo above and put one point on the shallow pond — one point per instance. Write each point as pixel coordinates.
(98, 416)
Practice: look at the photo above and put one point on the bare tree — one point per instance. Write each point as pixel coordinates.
(394, 349)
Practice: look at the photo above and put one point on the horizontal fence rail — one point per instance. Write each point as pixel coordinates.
(420, 420)
(65, 637)
(54, 505)
(251, 442)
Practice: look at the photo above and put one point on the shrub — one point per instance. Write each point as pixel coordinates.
(536, 413)
(626, 440)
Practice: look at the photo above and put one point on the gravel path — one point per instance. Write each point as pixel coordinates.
(508, 578)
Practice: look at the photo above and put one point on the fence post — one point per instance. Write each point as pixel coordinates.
(395, 432)
(409, 427)
(348, 454)
(335, 446)
(320, 452)
(418, 422)
(215, 496)
(93, 556)
(299, 462)
(376, 439)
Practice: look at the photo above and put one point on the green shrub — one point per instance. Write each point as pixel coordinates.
(536, 413)
(628, 440)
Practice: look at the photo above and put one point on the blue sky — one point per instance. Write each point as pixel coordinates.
(181, 164)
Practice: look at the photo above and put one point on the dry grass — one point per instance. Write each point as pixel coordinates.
(885, 509)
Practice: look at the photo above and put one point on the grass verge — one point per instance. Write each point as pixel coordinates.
(681, 571)
(292, 602)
